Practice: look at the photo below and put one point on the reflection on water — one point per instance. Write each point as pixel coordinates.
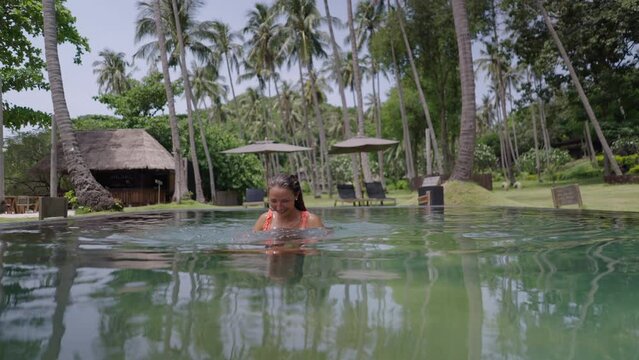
(403, 283)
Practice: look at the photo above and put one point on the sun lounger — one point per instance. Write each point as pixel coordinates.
(346, 193)
(375, 193)
(254, 197)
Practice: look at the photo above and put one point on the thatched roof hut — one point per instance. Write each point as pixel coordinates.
(122, 149)
(130, 163)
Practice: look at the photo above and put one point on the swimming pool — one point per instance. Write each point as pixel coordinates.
(400, 283)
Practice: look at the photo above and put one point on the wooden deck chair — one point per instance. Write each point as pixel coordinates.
(22, 204)
(346, 194)
(254, 197)
(375, 192)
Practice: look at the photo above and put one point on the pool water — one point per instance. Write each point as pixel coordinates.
(381, 283)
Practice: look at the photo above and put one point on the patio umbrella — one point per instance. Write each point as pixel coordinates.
(361, 144)
(266, 147)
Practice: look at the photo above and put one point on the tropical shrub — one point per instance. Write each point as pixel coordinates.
(626, 146)
(582, 169)
(556, 158)
(485, 159)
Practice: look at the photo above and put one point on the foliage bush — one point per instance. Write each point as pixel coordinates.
(71, 199)
(580, 170)
(625, 162)
(556, 158)
(485, 159)
(634, 170)
(626, 146)
(401, 184)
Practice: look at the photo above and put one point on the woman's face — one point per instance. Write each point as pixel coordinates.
(281, 200)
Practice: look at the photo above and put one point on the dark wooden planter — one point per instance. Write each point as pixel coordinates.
(621, 179)
(227, 198)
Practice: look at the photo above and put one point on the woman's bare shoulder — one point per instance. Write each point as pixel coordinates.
(260, 222)
(314, 221)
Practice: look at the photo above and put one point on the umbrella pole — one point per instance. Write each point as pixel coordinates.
(266, 166)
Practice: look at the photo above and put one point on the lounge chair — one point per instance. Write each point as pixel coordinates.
(254, 197)
(375, 192)
(346, 193)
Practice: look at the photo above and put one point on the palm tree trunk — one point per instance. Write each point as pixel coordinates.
(322, 132)
(88, 191)
(342, 94)
(408, 156)
(591, 148)
(2, 195)
(580, 91)
(199, 193)
(464, 165)
(378, 122)
(205, 144)
(368, 177)
(175, 136)
(53, 169)
(309, 135)
(380, 154)
(420, 91)
(237, 110)
(536, 142)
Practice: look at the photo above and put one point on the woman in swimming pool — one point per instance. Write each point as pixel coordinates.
(286, 206)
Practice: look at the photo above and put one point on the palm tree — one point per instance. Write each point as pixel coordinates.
(199, 193)
(88, 191)
(337, 73)
(180, 181)
(225, 43)
(463, 169)
(191, 34)
(203, 81)
(580, 91)
(111, 71)
(408, 152)
(304, 42)
(207, 83)
(2, 195)
(420, 91)
(370, 14)
(368, 177)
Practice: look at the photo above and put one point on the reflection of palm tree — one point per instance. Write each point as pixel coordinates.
(111, 71)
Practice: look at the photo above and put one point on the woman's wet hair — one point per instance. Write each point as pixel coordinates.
(290, 182)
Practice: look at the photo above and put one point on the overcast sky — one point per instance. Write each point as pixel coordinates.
(111, 24)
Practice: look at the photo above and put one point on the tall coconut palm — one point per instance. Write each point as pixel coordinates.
(464, 165)
(207, 84)
(304, 43)
(88, 191)
(408, 153)
(368, 176)
(2, 195)
(370, 15)
(580, 90)
(199, 193)
(337, 73)
(191, 35)
(180, 181)
(226, 44)
(265, 38)
(111, 71)
(420, 91)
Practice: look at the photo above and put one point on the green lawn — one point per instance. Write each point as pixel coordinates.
(595, 195)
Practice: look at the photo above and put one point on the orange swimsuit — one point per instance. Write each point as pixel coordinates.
(269, 220)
